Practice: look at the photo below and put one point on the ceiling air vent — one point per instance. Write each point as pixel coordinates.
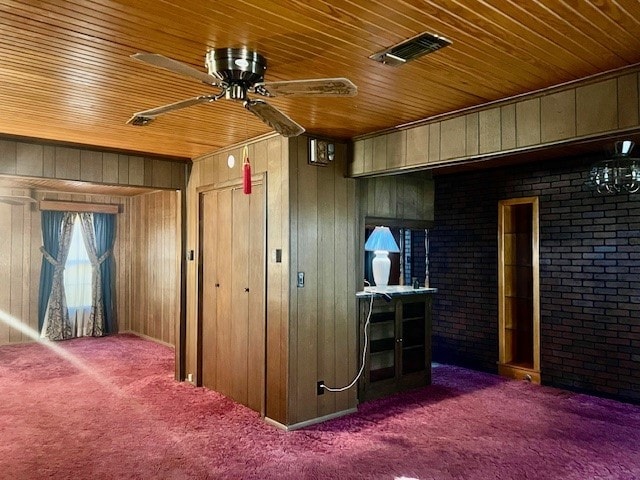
(411, 49)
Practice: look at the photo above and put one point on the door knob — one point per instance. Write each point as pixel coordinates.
(217, 285)
(246, 289)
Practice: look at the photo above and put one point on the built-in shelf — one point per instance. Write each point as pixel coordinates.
(518, 289)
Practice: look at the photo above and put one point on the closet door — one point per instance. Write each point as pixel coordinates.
(232, 293)
(215, 289)
(208, 296)
(222, 341)
(256, 360)
(239, 311)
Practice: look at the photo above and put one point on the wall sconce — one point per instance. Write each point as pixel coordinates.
(381, 242)
(321, 152)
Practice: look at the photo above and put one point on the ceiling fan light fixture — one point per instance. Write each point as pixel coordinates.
(241, 62)
(238, 72)
(236, 64)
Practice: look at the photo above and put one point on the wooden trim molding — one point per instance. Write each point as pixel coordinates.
(580, 111)
(506, 252)
(65, 206)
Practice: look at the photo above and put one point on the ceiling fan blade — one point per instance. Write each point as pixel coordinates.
(319, 87)
(147, 116)
(175, 66)
(273, 117)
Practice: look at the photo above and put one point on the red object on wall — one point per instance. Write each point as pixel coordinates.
(246, 172)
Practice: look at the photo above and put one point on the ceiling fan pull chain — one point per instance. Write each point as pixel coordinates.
(246, 171)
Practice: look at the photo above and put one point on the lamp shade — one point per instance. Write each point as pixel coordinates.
(381, 239)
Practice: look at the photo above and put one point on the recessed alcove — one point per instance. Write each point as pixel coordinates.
(518, 288)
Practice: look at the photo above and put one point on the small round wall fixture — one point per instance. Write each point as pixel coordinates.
(618, 174)
(231, 161)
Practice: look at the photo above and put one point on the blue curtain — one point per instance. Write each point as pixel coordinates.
(104, 225)
(51, 227)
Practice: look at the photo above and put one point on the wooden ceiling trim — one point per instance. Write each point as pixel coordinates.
(68, 74)
(46, 185)
(80, 135)
(73, 206)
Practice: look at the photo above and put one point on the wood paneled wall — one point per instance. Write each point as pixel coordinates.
(146, 252)
(21, 259)
(70, 163)
(149, 268)
(268, 154)
(402, 198)
(148, 230)
(578, 111)
(323, 317)
(312, 219)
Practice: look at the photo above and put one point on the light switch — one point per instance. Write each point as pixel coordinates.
(300, 279)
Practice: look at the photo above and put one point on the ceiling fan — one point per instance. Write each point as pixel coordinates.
(237, 72)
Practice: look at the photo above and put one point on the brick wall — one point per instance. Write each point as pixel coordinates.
(589, 275)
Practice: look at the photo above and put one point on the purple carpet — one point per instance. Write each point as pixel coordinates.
(118, 414)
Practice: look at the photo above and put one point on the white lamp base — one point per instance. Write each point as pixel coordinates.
(381, 267)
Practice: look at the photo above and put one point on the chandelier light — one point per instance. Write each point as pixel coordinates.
(619, 174)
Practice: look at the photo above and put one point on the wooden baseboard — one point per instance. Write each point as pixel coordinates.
(519, 373)
(307, 423)
(147, 337)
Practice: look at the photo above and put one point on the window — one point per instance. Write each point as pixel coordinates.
(77, 273)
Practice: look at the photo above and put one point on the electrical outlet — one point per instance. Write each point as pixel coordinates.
(320, 388)
(190, 377)
(300, 279)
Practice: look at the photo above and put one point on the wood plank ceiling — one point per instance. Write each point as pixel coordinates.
(66, 75)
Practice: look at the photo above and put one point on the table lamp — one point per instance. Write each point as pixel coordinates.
(381, 242)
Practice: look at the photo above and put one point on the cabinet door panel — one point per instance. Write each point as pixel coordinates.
(239, 273)
(256, 307)
(233, 293)
(208, 252)
(399, 354)
(223, 341)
